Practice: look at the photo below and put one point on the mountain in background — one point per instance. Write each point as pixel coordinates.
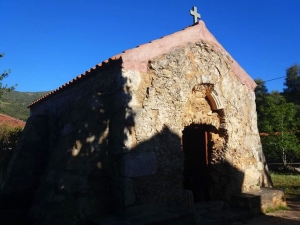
(15, 103)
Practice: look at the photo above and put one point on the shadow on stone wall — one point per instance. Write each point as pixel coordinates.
(27, 165)
(90, 171)
(154, 174)
(82, 165)
(88, 139)
(66, 160)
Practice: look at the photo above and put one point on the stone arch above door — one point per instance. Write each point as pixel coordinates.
(202, 106)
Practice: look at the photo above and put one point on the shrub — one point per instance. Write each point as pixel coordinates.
(9, 137)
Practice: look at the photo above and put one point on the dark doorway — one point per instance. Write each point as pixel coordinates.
(195, 147)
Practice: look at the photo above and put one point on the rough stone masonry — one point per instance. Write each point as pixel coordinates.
(115, 137)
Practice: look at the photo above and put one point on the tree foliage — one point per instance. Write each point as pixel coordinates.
(278, 117)
(9, 137)
(278, 124)
(261, 93)
(261, 90)
(292, 83)
(5, 88)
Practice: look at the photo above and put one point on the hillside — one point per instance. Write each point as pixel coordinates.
(15, 103)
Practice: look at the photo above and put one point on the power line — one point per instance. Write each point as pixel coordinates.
(274, 79)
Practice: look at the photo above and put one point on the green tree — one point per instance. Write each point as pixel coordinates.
(5, 88)
(9, 137)
(292, 83)
(278, 126)
(261, 92)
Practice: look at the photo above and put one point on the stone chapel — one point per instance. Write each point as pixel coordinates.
(137, 130)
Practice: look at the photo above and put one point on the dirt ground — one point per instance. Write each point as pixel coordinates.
(282, 217)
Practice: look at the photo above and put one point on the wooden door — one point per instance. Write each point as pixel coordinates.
(194, 143)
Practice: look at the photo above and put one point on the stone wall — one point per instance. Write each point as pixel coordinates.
(104, 79)
(194, 85)
(84, 125)
(76, 183)
(115, 137)
(89, 132)
(27, 165)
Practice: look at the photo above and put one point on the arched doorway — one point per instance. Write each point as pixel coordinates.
(201, 119)
(196, 152)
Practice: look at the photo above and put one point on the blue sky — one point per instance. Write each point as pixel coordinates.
(49, 42)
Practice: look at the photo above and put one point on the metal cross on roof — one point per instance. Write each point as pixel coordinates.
(195, 14)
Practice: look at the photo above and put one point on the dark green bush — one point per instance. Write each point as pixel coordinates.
(9, 137)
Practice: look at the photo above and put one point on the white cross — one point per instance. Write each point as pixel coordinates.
(195, 14)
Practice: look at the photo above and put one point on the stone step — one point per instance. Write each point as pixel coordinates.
(259, 200)
(203, 213)
(218, 212)
(225, 216)
(170, 216)
(270, 198)
(247, 201)
(209, 206)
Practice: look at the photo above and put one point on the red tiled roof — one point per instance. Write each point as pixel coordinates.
(137, 58)
(83, 75)
(267, 134)
(5, 119)
(264, 134)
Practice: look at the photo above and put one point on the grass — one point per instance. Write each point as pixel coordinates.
(289, 182)
(271, 210)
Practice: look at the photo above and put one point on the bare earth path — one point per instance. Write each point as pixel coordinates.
(283, 217)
